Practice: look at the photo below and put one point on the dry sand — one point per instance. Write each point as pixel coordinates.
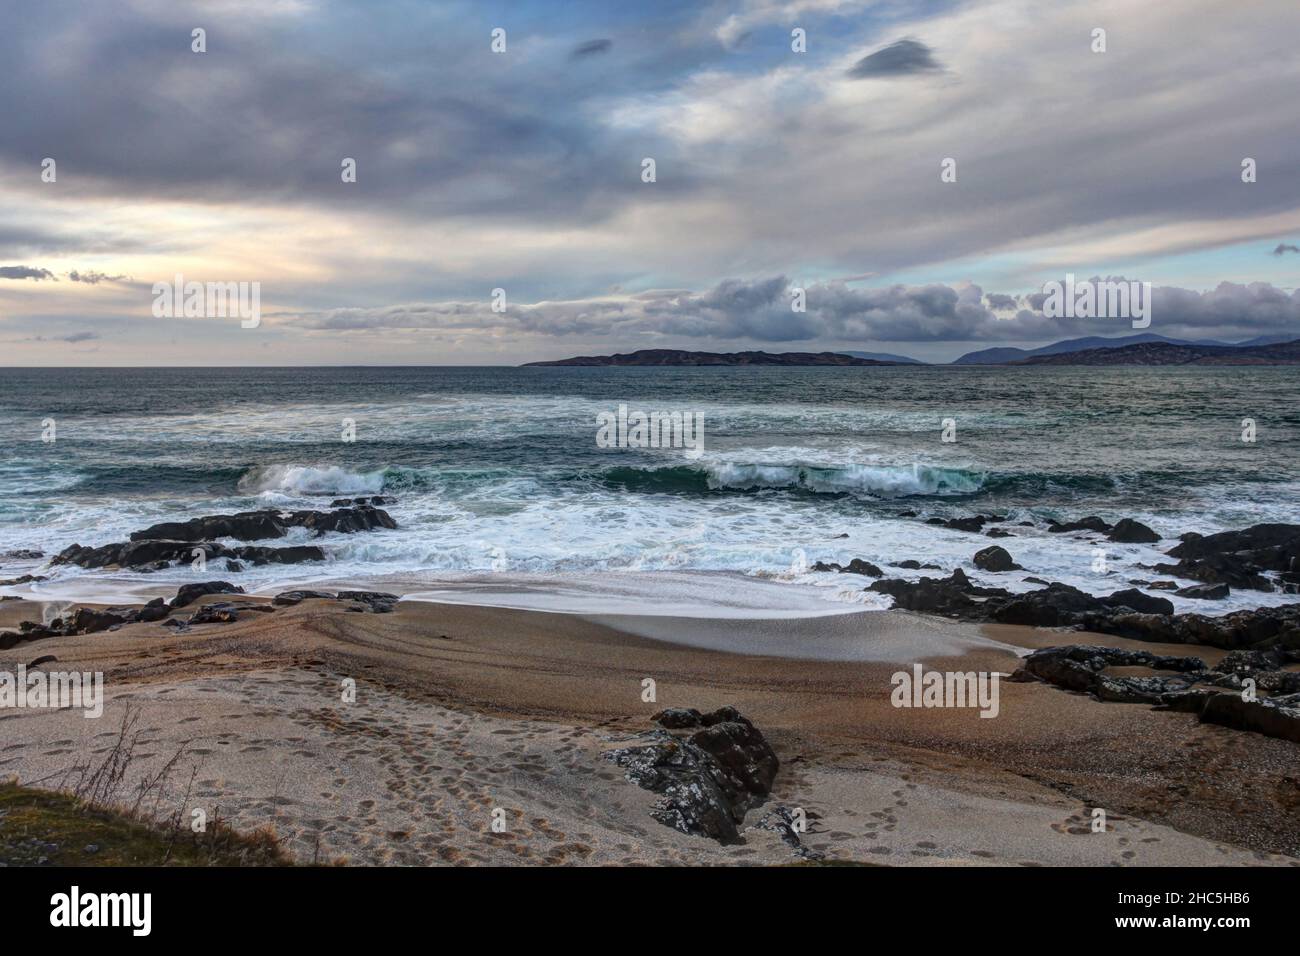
(461, 711)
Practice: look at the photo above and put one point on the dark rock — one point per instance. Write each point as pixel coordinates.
(998, 533)
(1248, 662)
(269, 523)
(708, 780)
(1240, 559)
(155, 610)
(85, 620)
(1142, 603)
(856, 566)
(378, 602)
(215, 613)
(43, 659)
(1205, 592)
(1091, 523)
(677, 718)
(1163, 586)
(189, 593)
(23, 554)
(973, 524)
(781, 821)
(1052, 606)
(290, 598)
(1128, 531)
(1272, 716)
(995, 558)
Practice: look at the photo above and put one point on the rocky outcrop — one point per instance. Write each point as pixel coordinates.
(1191, 688)
(1205, 592)
(1091, 523)
(856, 566)
(161, 545)
(1241, 559)
(270, 523)
(709, 770)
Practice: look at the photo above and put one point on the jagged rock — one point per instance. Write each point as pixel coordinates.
(156, 555)
(378, 602)
(1052, 606)
(290, 598)
(1142, 603)
(708, 780)
(372, 500)
(1205, 592)
(1248, 662)
(155, 610)
(781, 821)
(677, 718)
(189, 593)
(269, 523)
(1091, 523)
(995, 558)
(856, 566)
(1128, 531)
(1240, 559)
(215, 613)
(85, 620)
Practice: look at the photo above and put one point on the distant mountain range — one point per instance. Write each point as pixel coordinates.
(1172, 353)
(1009, 356)
(1145, 349)
(653, 357)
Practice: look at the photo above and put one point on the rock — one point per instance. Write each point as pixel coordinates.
(781, 821)
(22, 579)
(856, 566)
(155, 610)
(1052, 606)
(290, 598)
(1272, 716)
(1128, 531)
(998, 533)
(269, 523)
(23, 554)
(1248, 662)
(974, 524)
(372, 500)
(1240, 559)
(215, 613)
(189, 593)
(378, 602)
(1163, 586)
(1205, 592)
(708, 780)
(677, 718)
(1091, 523)
(43, 659)
(995, 558)
(1142, 603)
(86, 620)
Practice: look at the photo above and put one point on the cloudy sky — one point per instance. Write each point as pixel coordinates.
(523, 170)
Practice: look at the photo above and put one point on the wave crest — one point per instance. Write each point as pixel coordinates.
(308, 480)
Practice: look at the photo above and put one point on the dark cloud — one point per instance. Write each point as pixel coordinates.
(591, 48)
(90, 277)
(80, 337)
(898, 59)
(1283, 247)
(1001, 303)
(760, 310)
(26, 272)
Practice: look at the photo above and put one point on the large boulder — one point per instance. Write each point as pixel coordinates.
(1140, 602)
(995, 558)
(709, 778)
(189, 593)
(1128, 531)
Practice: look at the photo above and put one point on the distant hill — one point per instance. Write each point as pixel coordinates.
(1166, 353)
(886, 357)
(1007, 355)
(653, 357)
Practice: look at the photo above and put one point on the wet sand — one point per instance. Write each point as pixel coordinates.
(461, 711)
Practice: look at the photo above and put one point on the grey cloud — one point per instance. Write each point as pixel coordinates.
(1001, 303)
(1283, 247)
(91, 277)
(903, 58)
(591, 48)
(80, 337)
(760, 310)
(26, 272)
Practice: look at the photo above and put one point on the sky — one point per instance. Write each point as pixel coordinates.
(523, 169)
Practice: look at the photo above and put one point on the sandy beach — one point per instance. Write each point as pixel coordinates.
(461, 711)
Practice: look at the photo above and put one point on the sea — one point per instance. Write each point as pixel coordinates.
(504, 492)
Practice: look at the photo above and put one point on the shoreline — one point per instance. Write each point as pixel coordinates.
(463, 708)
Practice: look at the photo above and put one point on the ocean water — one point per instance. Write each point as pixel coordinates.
(503, 494)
